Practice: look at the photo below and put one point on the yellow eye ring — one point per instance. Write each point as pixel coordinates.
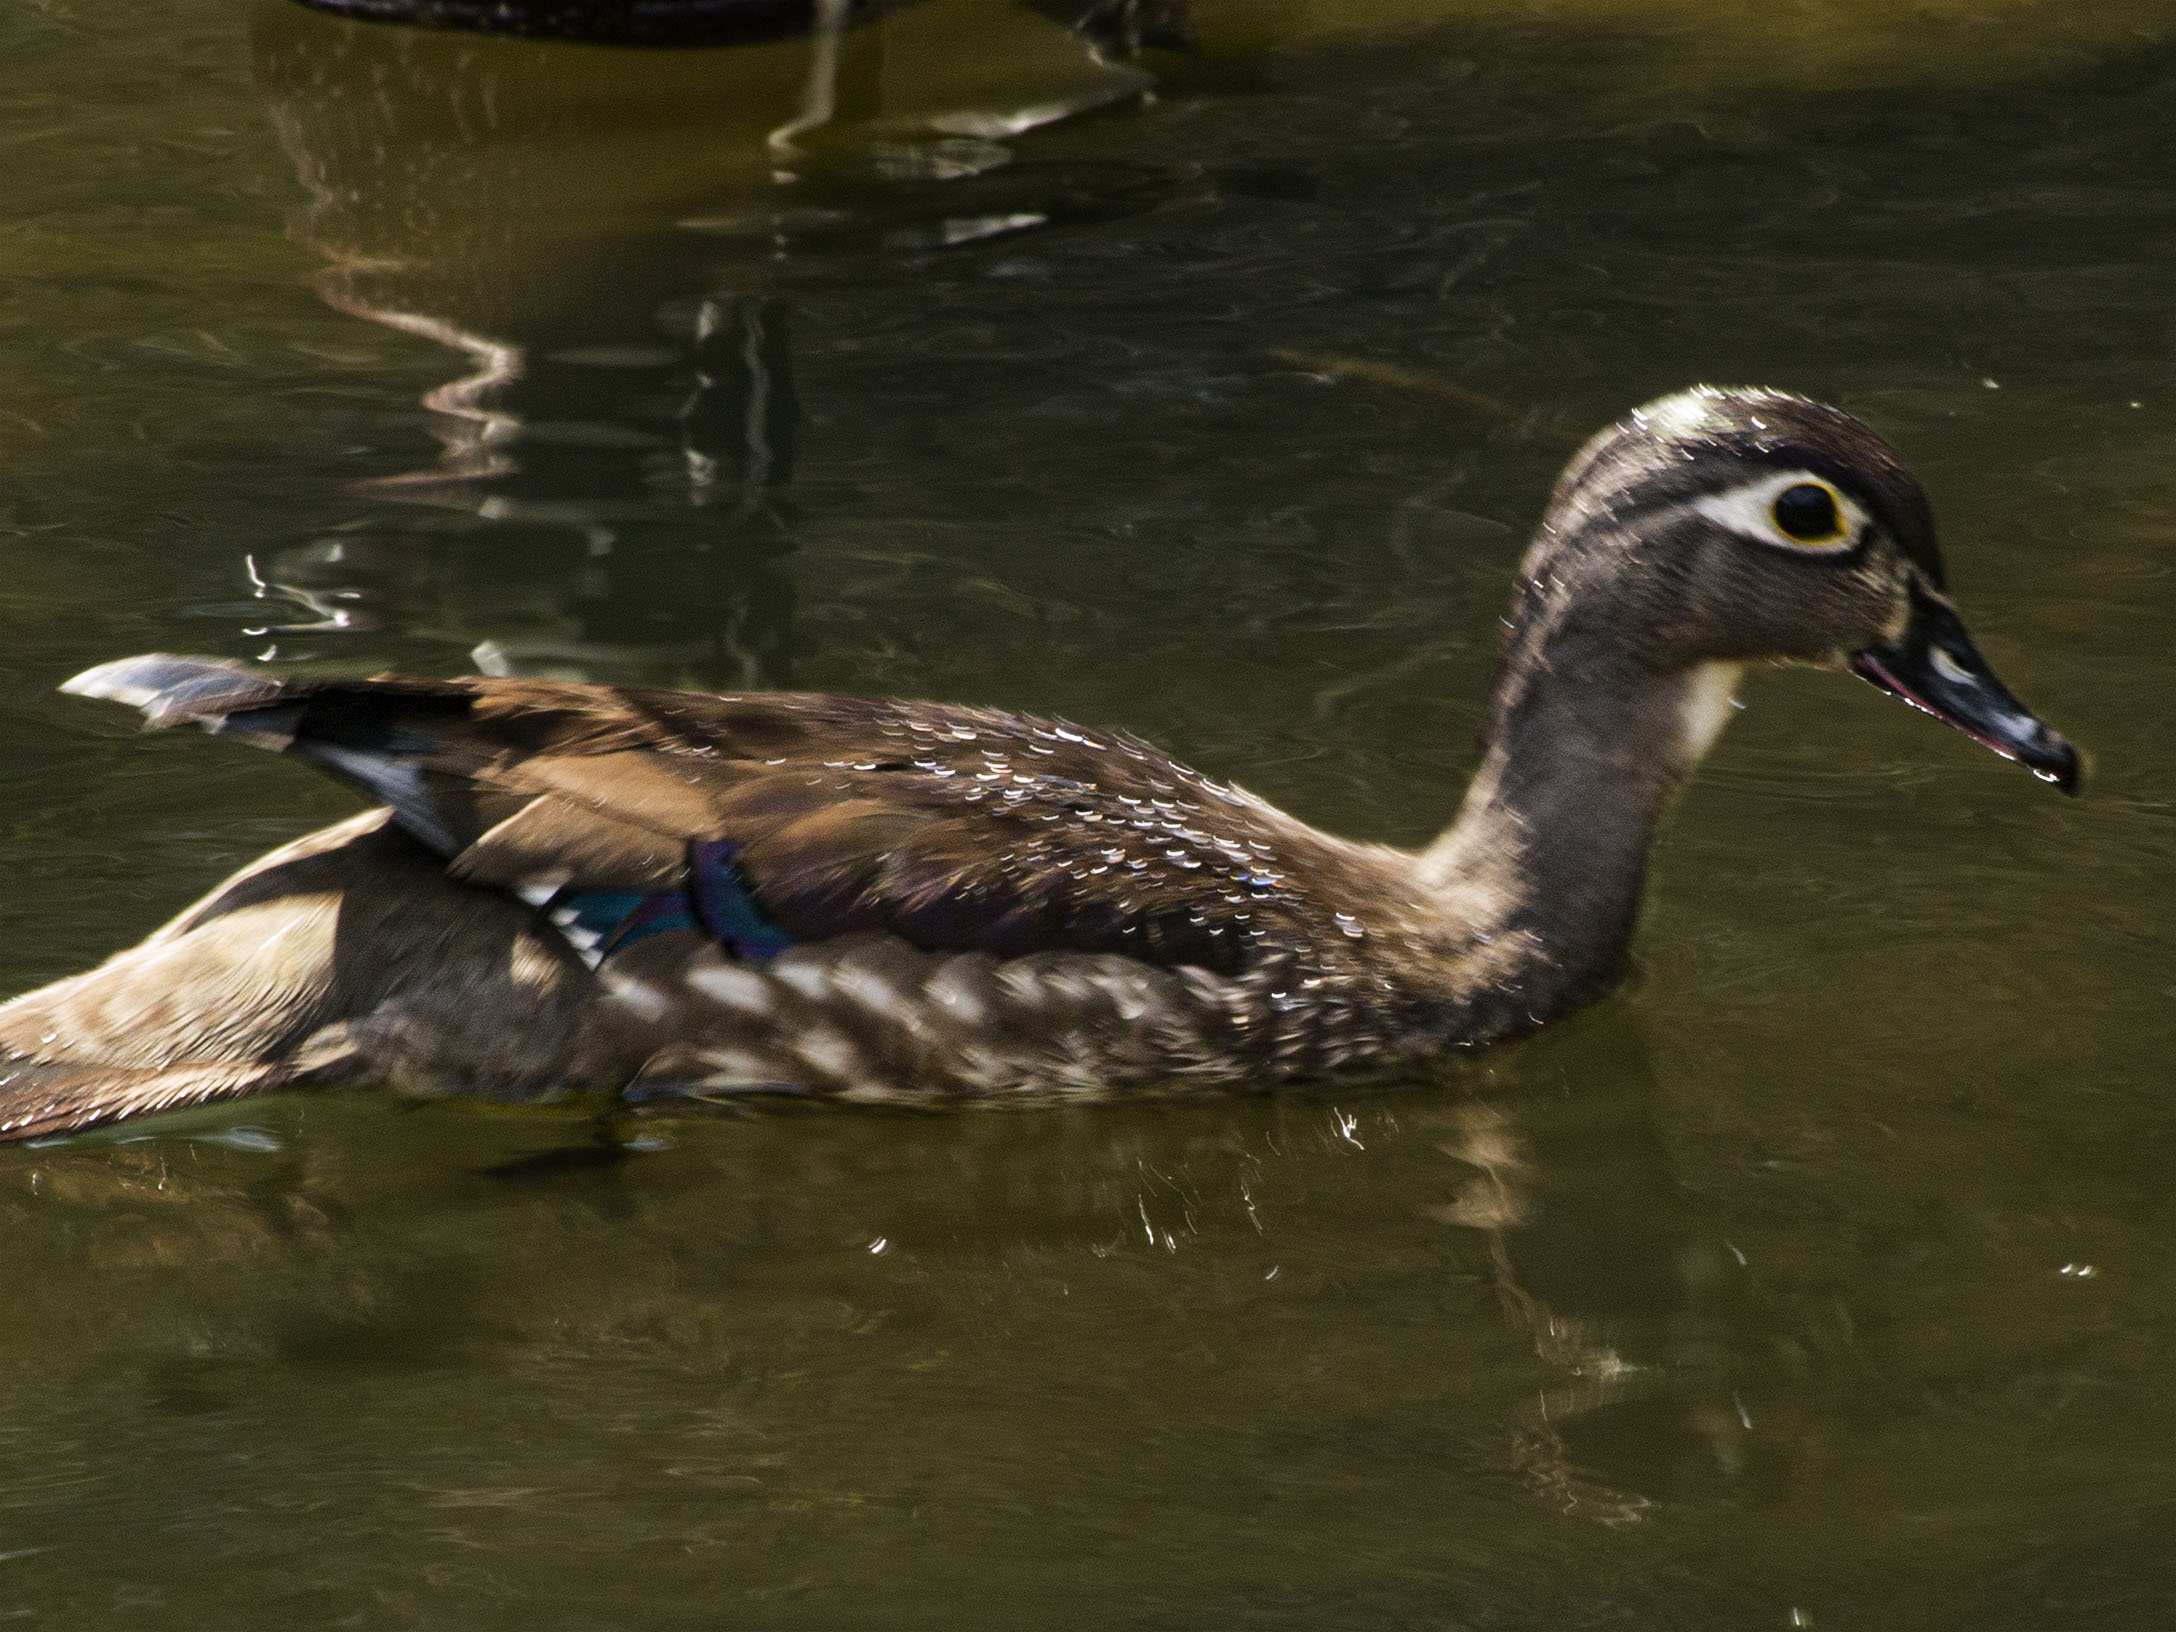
(1810, 515)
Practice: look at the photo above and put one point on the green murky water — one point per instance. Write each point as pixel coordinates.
(1827, 1278)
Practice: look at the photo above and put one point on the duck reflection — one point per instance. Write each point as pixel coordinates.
(612, 243)
(321, 1230)
(1622, 1278)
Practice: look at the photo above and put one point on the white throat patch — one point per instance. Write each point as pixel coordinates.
(1705, 705)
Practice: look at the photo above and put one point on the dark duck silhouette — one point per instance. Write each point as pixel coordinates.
(585, 888)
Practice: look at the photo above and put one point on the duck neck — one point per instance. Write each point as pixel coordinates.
(1549, 853)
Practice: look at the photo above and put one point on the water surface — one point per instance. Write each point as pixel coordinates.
(1823, 1278)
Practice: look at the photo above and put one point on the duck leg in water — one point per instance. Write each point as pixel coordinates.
(575, 888)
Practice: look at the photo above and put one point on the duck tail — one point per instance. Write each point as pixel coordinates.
(206, 691)
(366, 733)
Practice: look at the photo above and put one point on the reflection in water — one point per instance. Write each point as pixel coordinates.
(1622, 1279)
(631, 494)
(611, 242)
(1649, 1349)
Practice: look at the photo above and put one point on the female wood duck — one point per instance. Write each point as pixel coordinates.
(578, 887)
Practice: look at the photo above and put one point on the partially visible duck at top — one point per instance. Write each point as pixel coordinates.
(639, 893)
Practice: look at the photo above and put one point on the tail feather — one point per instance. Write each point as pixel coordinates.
(353, 730)
(178, 690)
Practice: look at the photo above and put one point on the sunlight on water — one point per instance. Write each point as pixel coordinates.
(1819, 1279)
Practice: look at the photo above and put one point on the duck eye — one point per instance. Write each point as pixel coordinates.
(1807, 513)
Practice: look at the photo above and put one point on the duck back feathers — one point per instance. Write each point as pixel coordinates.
(954, 829)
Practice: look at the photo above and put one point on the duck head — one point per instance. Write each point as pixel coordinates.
(1714, 528)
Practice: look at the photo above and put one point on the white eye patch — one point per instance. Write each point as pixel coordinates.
(1813, 516)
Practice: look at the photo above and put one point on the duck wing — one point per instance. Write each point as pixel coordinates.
(783, 816)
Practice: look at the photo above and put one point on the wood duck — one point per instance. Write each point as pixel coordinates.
(640, 893)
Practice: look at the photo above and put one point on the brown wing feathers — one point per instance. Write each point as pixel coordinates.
(956, 829)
